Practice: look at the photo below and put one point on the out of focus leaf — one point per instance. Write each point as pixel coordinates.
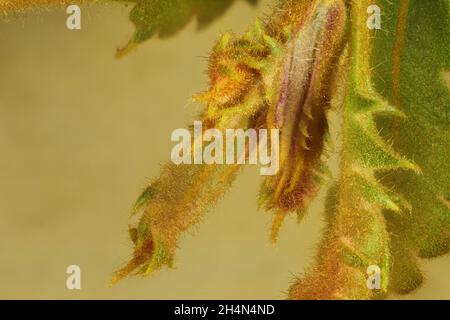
(166, 17)
(8, 7)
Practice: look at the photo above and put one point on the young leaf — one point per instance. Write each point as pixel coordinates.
(268, 79)
(234, 101)
(304, 93)
(391, 203)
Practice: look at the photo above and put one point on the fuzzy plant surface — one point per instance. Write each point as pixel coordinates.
(389, 205)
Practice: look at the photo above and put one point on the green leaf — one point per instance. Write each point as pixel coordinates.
(390, 204)
(165, 17)
(400, 65)
(411, 77)
(357, 235)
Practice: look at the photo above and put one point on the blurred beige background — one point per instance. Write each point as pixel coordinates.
(80, 135)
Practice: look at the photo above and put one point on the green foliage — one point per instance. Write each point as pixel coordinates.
(412, 79)
(404, 70)
(387, 207)
(390, 204)
(166, 17)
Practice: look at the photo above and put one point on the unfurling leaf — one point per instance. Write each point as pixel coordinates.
(302, 97)
(390, 203)
(254, 82)
(192, 190)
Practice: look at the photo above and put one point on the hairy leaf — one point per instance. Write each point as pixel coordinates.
(411, 77)
(265, 79)
(389, 225)
(390, 204)
(387, 206)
